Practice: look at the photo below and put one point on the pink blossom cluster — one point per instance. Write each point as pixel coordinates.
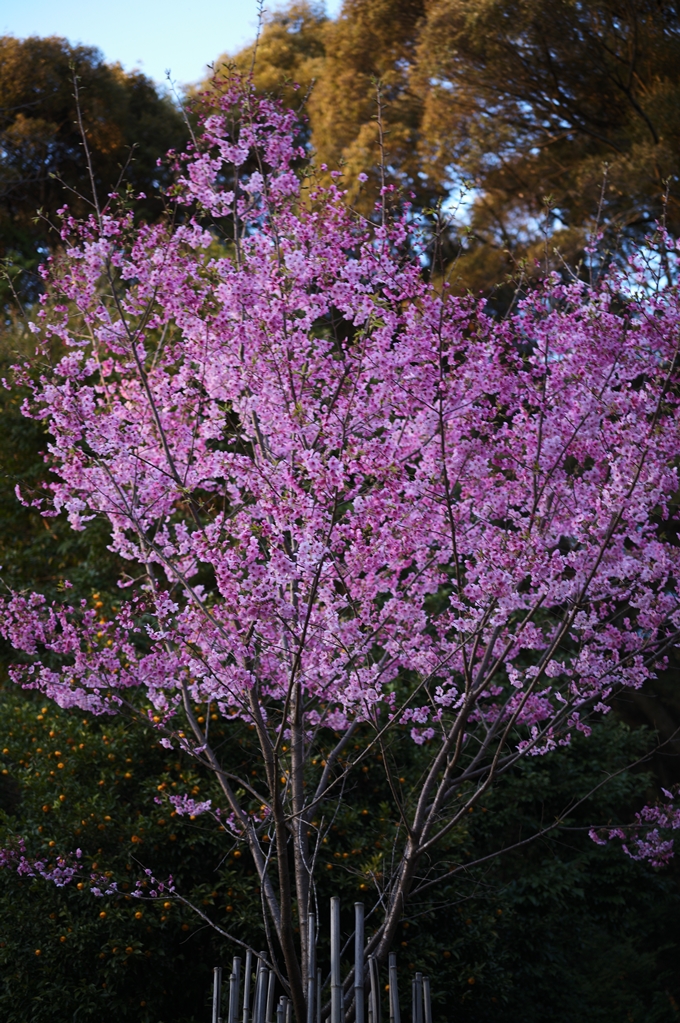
(151, 888)
(61, 872)
(405, 504)
(647, 842)
(186, 805)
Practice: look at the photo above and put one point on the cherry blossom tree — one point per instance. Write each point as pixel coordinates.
(351, 503)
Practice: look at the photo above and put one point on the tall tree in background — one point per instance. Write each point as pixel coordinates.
(288, 58)
(339, 63)
(535, 105)
(535, 99)
(42, 162)
(355, 123)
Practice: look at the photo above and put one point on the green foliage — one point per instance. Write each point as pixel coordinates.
(128, 124)
(560, 928)
(35, 551)
(90, 784)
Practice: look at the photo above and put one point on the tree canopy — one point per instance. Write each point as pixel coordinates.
(128, 124)
(541, 116)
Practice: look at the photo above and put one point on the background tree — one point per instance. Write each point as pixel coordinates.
(339, 64)
(354, 125)
(535, 99)
(289, 52)
(129, 124)
(67, 953)
(511, 114)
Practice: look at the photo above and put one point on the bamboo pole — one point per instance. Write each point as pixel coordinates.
(217, 992)
(234, 990)
(311, 966)
(418, 998)
(318, 995)
(261, 990)
(395, 1015)
(270, 997)
(359, 962)
(259, 995)
(246, 985)
(255, 1010)
(336, 982)
(375, 989)
(427, 1000)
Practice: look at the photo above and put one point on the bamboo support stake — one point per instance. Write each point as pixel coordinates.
(234, 990)
(359, 962)
(335, 981)
(375, 990)
(255, 1008)
(318, 995)
(257, 993)
(418, 998)
(427, 1000)
(246, 985)
(310, 1000)
(270, 997)
(395, 1015)
(261, 994)
(217, 992)
(311, 966)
